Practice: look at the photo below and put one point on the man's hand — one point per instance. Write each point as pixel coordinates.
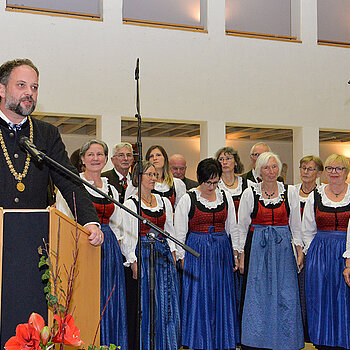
(96, 235)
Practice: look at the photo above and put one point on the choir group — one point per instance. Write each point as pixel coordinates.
(274, 265)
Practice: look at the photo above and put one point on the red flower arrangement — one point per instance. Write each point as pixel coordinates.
(34, 335)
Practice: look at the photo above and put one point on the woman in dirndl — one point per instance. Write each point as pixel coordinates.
(327, 273)
(311, 168)
(269, 222)
(204, 219)
(94, 156)
(159, 211)
(234, 185)
(166, 185)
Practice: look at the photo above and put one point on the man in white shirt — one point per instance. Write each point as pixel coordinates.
(122, 159)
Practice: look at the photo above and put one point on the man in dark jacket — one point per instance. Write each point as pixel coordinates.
(23, 185)
(178, 168)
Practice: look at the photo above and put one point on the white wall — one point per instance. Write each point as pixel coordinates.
(88, 67)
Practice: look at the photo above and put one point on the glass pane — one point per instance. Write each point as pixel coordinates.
(256, 16)
(182, 12)
(90, 7)
(333, 19)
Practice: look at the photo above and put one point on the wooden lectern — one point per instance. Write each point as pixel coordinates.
(85, 303)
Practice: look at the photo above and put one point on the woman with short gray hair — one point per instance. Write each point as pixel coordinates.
(268, 218)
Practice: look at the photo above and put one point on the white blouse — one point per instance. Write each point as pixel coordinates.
(246, 207)
(309, 227)
(114, 220)
(130, 226)
(234, 191)
(180, 189)
(183, 209)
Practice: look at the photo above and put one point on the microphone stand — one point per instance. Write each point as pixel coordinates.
(151, 235)
(139, 162)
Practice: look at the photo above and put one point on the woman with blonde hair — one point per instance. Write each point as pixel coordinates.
(327, 273)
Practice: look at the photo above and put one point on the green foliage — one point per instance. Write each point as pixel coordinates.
(46, 275)
(42, 261)
(104, 347)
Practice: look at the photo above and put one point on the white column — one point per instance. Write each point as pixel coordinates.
(213, 137)
(305, 142)
(108, 129)
(309, 22)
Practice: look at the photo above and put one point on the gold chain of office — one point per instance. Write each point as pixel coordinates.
(18, 176)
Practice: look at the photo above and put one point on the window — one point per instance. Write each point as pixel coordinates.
(91, 9)
(182, 14)
(273, 19)
(333, 20)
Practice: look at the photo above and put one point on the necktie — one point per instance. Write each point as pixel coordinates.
(124, 183)
(14, 127)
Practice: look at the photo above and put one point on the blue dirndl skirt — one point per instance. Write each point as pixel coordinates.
(209, 313)
(113, 323)
(167, 303)
(271, 312)
(327, 294)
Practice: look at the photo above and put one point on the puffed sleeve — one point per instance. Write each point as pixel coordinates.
(308, 225)
(231, 223)
(180, 190)
(169, 225)
(129, 226)
(181, 223)
(295, 216)
(115, 221)
(246, 206)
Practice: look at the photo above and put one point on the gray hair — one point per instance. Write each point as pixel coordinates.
(263, 160)
(88, 144)
(259, 144)
(120, 145)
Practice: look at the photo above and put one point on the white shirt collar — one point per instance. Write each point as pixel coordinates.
(8, 121)
(255, 175)
(128, 177)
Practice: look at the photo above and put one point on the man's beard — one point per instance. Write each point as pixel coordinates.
(14, 105)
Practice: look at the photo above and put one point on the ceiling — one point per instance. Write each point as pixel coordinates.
(76, 125)
(86, 125)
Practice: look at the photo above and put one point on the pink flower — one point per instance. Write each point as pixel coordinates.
(27, 334)
(67, 328)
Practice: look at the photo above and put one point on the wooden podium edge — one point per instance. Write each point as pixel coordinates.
(87, 329)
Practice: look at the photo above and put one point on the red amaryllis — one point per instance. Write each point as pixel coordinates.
(67, 328)
(27, 334)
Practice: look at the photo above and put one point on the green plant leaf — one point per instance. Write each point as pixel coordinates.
(42, 262)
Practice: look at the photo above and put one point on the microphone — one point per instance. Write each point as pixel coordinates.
(25, 143)
(137, 69)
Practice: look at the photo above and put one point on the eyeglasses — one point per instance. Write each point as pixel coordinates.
(211, 183)
(150, 175)
(309, 169)
(337, 169)
(175, 168)
(123, 155)
(255, 155)
(222, 159)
